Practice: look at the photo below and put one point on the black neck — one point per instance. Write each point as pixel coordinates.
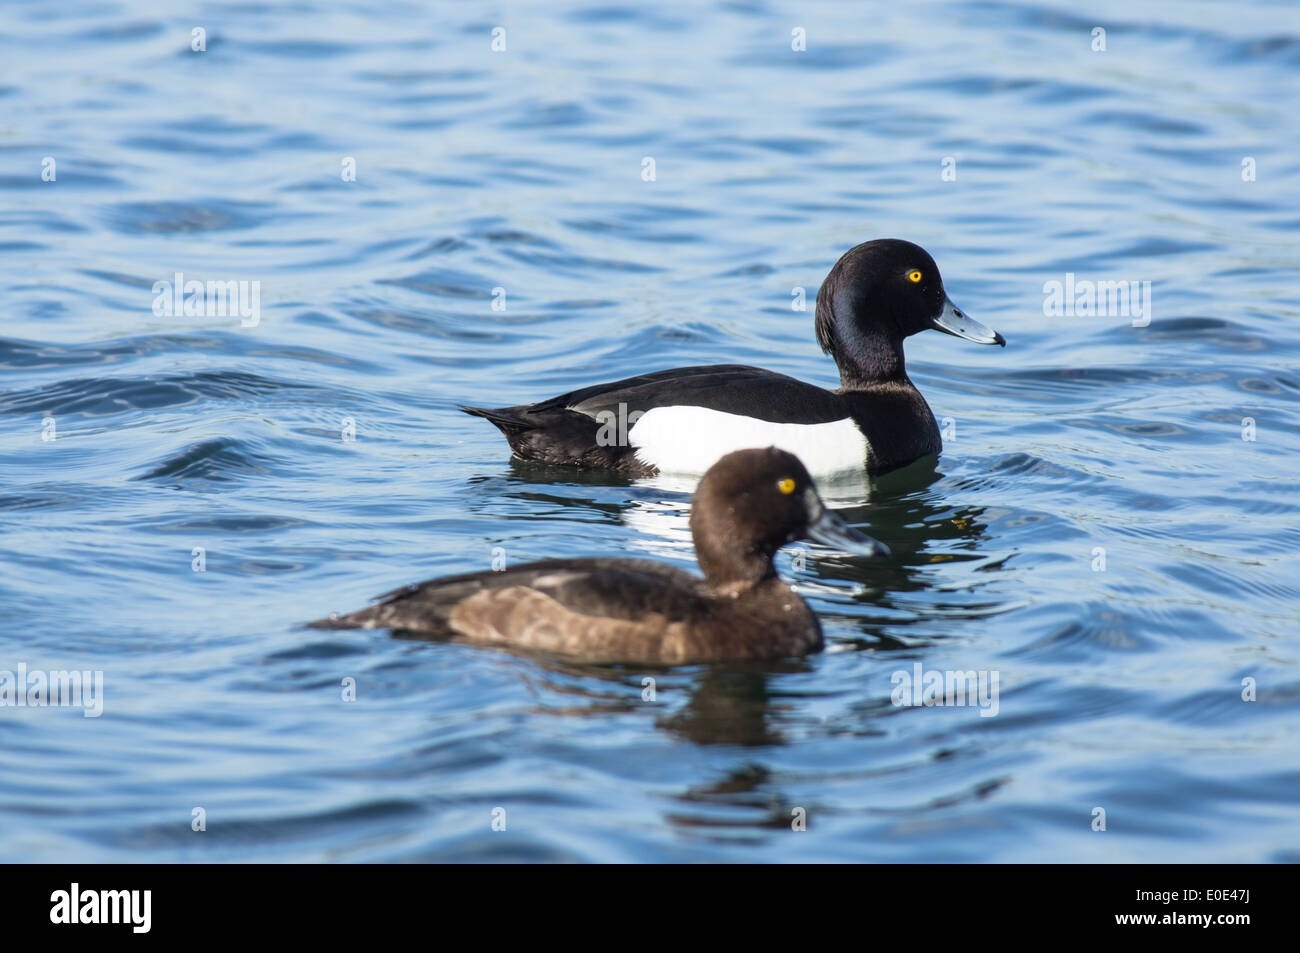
(868, 357)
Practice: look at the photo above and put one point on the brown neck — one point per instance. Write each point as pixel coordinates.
(730, 573)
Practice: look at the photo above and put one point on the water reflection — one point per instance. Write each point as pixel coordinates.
(901, 509)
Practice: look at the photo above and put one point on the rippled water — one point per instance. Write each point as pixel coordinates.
(180, 440)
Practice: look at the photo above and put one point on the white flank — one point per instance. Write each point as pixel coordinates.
(684, 439)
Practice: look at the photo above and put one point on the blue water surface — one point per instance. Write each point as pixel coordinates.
(1112, 528)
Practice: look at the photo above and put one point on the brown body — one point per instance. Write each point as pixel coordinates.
(747, 506)
(609, 610)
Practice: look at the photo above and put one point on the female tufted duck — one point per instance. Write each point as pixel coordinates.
(747, 506)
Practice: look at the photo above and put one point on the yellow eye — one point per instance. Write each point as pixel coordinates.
(786, 486)
(913, 276)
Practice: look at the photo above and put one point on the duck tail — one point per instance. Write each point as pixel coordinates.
(509, 420)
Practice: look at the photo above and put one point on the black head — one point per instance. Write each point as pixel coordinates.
(879, 293)
(751, 503)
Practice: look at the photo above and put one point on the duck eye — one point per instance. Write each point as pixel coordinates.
(914, 276)
(786, 486)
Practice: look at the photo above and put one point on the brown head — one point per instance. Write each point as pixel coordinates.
(751, 503)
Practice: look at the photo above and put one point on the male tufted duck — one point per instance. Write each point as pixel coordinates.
(682, 420)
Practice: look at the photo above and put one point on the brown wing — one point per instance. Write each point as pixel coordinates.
(545, 620)
(609, 608)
